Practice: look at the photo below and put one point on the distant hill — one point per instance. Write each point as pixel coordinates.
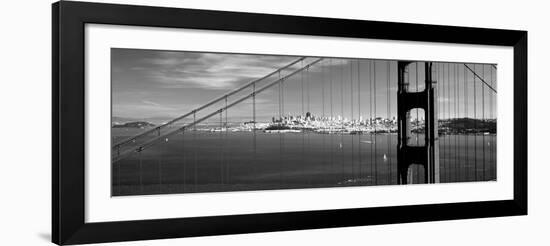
(134, 124)
(468, 125)
(277, 127)
(117, 120)
(121, 120)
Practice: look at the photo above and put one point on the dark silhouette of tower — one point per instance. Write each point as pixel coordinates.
(428, 154)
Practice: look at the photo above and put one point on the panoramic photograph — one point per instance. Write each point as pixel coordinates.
(194, 122)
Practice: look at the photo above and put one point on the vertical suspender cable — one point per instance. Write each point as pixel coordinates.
(323, 78)
(370, 123)
(308, 89)
(254, 106)
(439, 104)
(360, 117)
(475, 127)
(491, 158)
(303, 155)
(483, 116)
(456, 115)
(455, 102)
(302, 83)
(448, 121)
(224, 141)
(226, 126)
(254, 136)
(224, 163)
(458, 110)
(184, 161)
(279, 98)
(351, 88)
(303, 130)
(375, 134)
(342, 117)
(443, 114)
(323, 90)
(308, 78)
(440, 95)
(221, 148)
(388, 125)
(195, 169)
(351, 120)
(282, 97)
(466, 136)
(451, 112)
(416, 122)
(331, 72)
(280, 137)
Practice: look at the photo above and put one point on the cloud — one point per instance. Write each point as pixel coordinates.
(147, 108)
(206, 70)
(203, 82)
(170, 83)
(151, 103)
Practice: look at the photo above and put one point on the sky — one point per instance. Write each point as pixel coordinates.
(160, 85)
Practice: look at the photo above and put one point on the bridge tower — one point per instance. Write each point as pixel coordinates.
(428, 154)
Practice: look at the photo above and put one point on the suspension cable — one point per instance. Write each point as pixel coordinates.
(480, 78)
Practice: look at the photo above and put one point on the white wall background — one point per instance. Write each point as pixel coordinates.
(25, 62)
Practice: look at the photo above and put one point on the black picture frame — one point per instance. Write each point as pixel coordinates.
(68, 117)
